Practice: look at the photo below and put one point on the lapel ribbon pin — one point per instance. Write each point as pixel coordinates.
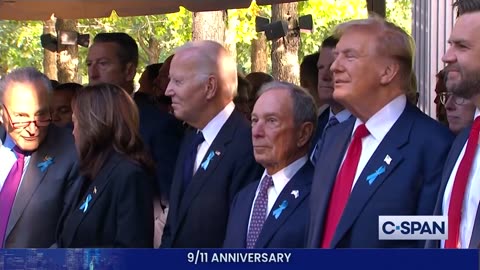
(84, 206)
(281, 207)
(295, 193)
(47, 161)
(388, 159)
(371, 178)
(207, 161)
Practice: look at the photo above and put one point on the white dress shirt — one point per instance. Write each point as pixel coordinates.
(8, 158)
(210, 132)
(471, 197)
(280, 180)
(378, 125)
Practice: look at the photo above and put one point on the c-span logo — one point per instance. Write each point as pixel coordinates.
(412, 227)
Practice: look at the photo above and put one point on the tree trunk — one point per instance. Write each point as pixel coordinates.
(67, 60)
(49, 58)
(209, 26)
(377, 6)
(285, 65)
(152, 48)
(259, 54)
(230, 33)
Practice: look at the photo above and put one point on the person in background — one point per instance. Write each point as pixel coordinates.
(256, 79)
(460, 111)
(39, 164)
(242, 98)
(309, 75)
(160, 86)
(60, 104)
(216, 158)
(112, 207)
(147, 79)
(283, 121)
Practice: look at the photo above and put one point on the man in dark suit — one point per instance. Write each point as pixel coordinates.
(216, 158)
(39, 162)
(273, 212)
(389, 160)
(459, 197)
(113, 58)
(335, 113)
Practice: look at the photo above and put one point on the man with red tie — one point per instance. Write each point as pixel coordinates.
(459, 197)
(387, 161)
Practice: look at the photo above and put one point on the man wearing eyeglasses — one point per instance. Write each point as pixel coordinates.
(38, 162)
(460, 111)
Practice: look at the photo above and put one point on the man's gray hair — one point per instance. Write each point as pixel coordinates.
(23, 75)
(304, 107)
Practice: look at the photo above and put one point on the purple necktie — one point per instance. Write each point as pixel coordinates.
(8, 192)
(259, 212)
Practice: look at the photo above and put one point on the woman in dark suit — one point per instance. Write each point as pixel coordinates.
(113, 205)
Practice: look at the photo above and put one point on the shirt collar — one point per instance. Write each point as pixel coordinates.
(213, 127)
(381, 122)
(281, 178)
(341, 116)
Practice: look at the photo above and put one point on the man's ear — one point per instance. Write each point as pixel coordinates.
(389, 72)
(211, 87)
(130, 71)
(304, 133)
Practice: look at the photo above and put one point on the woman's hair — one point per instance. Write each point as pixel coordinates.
(107, 120)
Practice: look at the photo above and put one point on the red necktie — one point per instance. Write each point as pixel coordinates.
(8, 192)
(459, 185)
(343, 185)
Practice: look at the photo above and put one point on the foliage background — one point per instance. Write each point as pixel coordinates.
(20, 41)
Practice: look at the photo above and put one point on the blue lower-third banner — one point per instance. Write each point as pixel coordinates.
(370, 259)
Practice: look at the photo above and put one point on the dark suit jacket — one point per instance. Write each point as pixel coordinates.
(321, 123)
(120, 213)
(288, 231)
(198, 218)
(455, 151)
(162, 134)
(417, 145)
(42, 196)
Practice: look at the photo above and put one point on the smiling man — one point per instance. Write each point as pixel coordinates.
(459, 196)
(273, 212)
(39, 162)
(387, 161)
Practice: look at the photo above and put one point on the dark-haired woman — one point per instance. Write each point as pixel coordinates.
(113, 205)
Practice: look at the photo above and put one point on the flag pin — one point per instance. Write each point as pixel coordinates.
(295, 193)
(388, 159)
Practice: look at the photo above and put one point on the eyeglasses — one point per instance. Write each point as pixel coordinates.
(445, 96)
(41, 121)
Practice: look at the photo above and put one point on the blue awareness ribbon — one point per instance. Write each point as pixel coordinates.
(207, 161)
(45, 164)
(281, 207)
(371, 178)
(84, 206)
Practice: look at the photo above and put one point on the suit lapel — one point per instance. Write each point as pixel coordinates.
(244, 215)
(31, 180)
(387, 155)
(218, 148)
(326, 168)
(95, 190)
(299, 183)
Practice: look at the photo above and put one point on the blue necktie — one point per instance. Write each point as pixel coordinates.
(190, 159)
(331, 122)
